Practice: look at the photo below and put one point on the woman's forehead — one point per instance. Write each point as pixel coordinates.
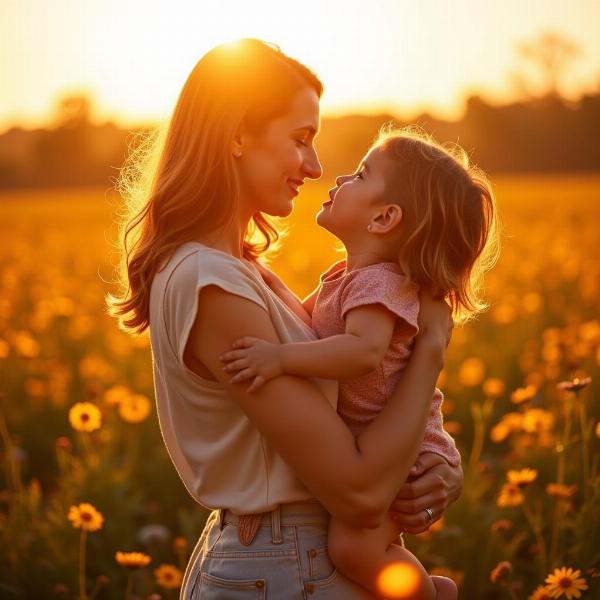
(304, 111)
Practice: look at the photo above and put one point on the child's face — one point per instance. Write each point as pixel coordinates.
(355, 199)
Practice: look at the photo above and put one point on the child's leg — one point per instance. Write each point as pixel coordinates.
(362, 554)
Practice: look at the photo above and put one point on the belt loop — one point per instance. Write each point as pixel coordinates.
(221, 519)
(276, 525)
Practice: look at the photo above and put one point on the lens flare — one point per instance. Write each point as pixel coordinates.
(398, 580)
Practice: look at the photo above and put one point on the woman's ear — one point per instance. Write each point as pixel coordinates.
(237, 144)
(386, 219)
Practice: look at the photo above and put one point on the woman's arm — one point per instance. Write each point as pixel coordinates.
(356, 480)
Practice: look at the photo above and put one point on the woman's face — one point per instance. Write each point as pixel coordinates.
(275, 163)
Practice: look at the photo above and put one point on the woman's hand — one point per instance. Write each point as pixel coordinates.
(432, 484)
(252, 358)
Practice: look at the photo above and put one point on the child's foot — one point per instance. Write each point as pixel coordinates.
(445, 587)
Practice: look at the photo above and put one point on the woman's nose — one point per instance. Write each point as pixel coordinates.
(312, 167)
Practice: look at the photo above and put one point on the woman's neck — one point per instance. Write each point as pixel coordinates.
(229, 238)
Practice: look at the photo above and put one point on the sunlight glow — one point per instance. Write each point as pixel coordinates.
(398, 580)
(390, 55)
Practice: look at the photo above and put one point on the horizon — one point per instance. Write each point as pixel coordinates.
(133, 66)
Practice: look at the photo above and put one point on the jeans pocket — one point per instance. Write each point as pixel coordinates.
(322, 571)
(217, 588)
(319, 563)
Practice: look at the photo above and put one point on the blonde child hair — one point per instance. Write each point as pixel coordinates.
(450, 228)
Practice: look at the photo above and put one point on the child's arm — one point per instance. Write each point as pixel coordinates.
(356, 352)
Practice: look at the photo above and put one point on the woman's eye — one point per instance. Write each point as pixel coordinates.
(301, 143)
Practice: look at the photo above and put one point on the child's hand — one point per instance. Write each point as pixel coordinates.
(253, 358)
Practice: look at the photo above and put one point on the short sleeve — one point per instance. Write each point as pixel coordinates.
(195, 271)
(382, 284)
(436, 438)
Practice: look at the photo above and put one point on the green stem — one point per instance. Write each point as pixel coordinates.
(129, 587)
(534, 524)
(478, 436)
(560, 479)
(82, 540)
(12, 468)
(511, 591)
(584, 448)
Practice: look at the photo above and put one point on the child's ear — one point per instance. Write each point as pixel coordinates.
(386, 219)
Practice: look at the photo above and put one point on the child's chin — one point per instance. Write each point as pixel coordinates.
(321, 219)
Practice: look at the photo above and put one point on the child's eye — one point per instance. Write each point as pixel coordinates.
(359, 175)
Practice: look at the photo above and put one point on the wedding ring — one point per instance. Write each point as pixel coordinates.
(429, 515)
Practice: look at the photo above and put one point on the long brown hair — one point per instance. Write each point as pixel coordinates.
(180, 181)
(450, 226)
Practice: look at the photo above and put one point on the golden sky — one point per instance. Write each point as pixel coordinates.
(398, 55)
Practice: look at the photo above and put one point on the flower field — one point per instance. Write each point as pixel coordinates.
(91, 507)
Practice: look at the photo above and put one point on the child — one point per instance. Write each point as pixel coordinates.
(414, 216)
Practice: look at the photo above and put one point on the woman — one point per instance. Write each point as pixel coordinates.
(275, 464)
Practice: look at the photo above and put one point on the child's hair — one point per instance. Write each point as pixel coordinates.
(449, 228)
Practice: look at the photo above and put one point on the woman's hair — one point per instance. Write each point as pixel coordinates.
(449, 233)
(180, 182)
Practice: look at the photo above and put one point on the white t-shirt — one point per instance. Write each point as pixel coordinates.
(221, 457)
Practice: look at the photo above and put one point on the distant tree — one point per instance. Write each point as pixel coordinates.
(73, 111)
(551, 54)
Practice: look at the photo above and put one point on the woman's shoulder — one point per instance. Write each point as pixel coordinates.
(194, 265)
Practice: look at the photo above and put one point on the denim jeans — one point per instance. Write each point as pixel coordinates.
(286, 560)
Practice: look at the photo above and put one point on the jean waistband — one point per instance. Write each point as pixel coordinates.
(291, 513)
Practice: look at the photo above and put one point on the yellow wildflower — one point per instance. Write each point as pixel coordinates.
(575, 384)
(537, 420)
(180, 545)
(85, 416)
(540, 593)
(501, 525)
(510, 495)
(85, 516)
(501, 571)
(134, 409)
(558, 490)
(115, 394)
(493, 387)
(499, 432)
(523, 394)
(472, 372)
(523, 477)
(168, 576)
(132, 560)
(565, 581)
(26, 345)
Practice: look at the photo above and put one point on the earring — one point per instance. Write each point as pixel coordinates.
(369, 227)
(237, 153)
